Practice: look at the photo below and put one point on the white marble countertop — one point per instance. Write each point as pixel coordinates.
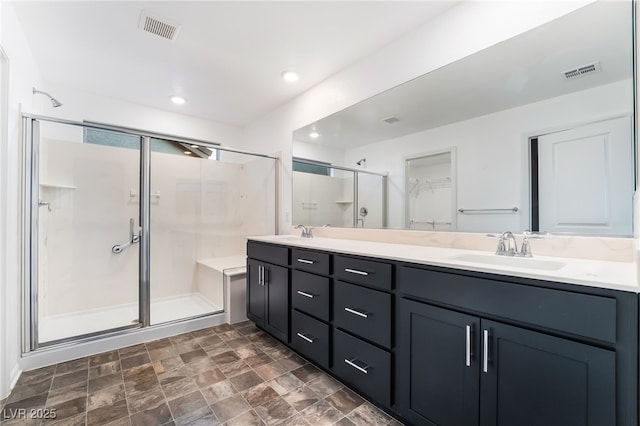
(593, 273)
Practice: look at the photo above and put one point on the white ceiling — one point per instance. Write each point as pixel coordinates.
(228, 56)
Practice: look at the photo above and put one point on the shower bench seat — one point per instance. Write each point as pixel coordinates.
(230, 272)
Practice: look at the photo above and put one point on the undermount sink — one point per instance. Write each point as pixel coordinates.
(510, 261)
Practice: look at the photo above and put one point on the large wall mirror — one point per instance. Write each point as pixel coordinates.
(535, 132)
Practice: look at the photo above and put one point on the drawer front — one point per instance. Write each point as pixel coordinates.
(367, 272)
(310, 261)
(271, 253)
(310, 294)
(576, 313)
(363, 311)
(363, 365)
(310, 337)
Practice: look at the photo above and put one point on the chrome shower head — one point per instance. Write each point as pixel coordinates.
(54, 102)
(361, 161)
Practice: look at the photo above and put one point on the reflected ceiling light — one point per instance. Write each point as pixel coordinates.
(188, 152)
(314, 135)
(290, 76)
(178, 100)
(195, 146)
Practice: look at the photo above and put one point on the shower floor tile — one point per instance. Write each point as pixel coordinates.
(167, 309)
(195, 387)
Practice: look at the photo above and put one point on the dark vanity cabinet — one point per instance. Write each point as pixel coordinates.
(440, 346)
(489, 352)
(268, 288)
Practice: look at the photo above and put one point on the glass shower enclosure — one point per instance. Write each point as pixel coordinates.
(119, 223)
(324, 194)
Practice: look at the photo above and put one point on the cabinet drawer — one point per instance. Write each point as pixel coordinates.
(271, 253)
(310, 294)
(310, 337)
(575, 313)
(311, 261)
(367, 272)
(363, 311)
(362, 365)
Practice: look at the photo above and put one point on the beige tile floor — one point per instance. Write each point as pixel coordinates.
(232, 375)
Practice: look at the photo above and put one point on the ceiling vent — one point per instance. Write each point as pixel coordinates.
(158, 26)
(582, 71)
(391, 119)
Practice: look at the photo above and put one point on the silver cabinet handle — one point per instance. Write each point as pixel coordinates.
(308, 262)
(357, 367)
(302, 293)
(358, 313)
(303, 337)
(260, 274)
(485, 343)
(468, 347)
(355, 271)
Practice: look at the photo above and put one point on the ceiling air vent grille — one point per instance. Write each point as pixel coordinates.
(391, 119)
(158, 26)
(582, 71)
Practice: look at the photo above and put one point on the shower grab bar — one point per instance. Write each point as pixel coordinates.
(133, 239)
(512, 209)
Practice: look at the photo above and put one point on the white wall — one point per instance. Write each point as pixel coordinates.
(459, 32)
(491, 151)
(85, 106)
(23, 74)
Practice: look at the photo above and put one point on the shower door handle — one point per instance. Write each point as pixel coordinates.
(133, 239)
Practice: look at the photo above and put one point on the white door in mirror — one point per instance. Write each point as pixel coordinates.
(586, 179)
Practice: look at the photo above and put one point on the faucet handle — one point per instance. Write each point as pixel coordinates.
(534, 235)
(526, 246)
(501, 250)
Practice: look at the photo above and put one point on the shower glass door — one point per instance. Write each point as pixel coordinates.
(85, 208)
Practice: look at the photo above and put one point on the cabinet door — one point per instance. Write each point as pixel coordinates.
(255, 292)
(277, 301)
(437, 365)
(535, 379)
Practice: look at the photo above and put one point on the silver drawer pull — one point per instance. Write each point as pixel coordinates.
(485, 351)
(309, 262)
(303, 337)
(302, 293)
(358, 313)
(468, 347)
(357, 367)
(355, 271)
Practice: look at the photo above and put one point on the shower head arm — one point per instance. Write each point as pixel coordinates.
(54, 102)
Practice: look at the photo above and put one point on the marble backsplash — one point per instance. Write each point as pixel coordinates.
(596, 248)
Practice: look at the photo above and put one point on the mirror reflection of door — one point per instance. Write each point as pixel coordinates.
(584, 180)
(430, 200)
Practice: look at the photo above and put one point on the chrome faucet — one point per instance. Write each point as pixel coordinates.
(306, 231)
(507, 245)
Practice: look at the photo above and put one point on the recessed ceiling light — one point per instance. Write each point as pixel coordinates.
(188, 152)
(290, 76)
(178, 100)
(314, 135)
